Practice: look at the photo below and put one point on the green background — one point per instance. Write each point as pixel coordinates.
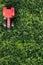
(23, 45)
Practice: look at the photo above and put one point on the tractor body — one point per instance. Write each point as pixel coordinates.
(8, 14)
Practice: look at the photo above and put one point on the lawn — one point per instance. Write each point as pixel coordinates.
(23, 44)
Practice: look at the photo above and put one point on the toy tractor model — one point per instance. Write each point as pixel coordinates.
(8, 14)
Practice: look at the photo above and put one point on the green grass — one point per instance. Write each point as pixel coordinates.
(23, 45)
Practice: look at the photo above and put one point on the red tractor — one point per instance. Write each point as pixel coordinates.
(8, 14)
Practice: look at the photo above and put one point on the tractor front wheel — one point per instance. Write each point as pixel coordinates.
(12, 23)
(4, 23)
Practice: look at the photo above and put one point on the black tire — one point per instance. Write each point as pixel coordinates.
(12, 23)
(4, 23)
